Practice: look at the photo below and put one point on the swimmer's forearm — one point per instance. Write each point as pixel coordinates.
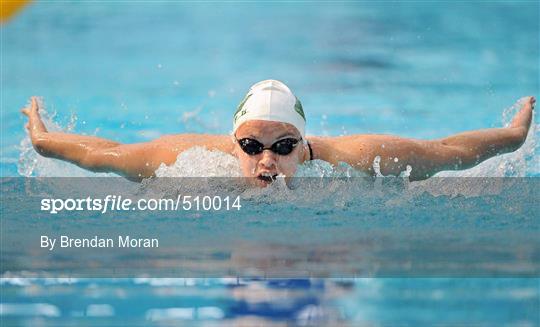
(468, 149)
(460, 151)
(133, 161)
(425, 157)
(77, 149)
(476, 146)
(84, 151)
(456, 152)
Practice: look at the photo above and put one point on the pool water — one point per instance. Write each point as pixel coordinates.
(134, 71)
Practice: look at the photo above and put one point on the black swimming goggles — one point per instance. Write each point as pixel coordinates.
(282, 147)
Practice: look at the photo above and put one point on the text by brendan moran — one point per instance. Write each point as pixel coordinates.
(125, 241)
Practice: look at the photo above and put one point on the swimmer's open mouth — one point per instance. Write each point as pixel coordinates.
(266, 177)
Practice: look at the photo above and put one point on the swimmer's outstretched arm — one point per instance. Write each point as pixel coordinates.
(133, 161)
(427, 157)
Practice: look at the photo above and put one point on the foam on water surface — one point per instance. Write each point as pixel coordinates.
(522, 162)
(32, 164)
(299, 206)
(200, 162)
(452, 83)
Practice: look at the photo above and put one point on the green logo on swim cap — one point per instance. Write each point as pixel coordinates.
(239, 112)
(298, 108)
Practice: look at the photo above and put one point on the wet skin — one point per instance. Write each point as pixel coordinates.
(426, 157)
(263, 168)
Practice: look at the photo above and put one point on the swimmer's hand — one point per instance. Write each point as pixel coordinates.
(35, 126)
(522, 120)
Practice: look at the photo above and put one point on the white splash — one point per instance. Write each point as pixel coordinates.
(200, 162)
(32, 164)
(519, 163)
(377, 166)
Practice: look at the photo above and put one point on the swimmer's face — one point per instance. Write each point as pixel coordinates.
(262, 168)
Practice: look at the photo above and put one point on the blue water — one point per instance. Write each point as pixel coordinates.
(135, 71)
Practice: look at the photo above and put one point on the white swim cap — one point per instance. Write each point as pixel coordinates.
(273, 101)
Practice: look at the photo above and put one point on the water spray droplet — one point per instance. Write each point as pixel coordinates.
(377, 166)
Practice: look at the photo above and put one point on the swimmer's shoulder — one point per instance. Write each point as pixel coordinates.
(345, 148)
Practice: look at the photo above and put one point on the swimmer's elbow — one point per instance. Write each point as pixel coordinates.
(114, 160)
(41, 145)
(517, 138)
(96, 161)
(105, 160)
(457, 157)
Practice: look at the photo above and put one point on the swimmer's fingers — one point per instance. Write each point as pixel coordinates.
(529, 100)
(32, 108)
(523, 118)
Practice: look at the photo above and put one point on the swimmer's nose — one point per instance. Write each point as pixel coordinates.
(268, 159)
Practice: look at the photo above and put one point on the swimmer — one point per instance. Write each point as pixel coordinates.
(269, 140)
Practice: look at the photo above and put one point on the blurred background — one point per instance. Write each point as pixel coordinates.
(132, 71)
